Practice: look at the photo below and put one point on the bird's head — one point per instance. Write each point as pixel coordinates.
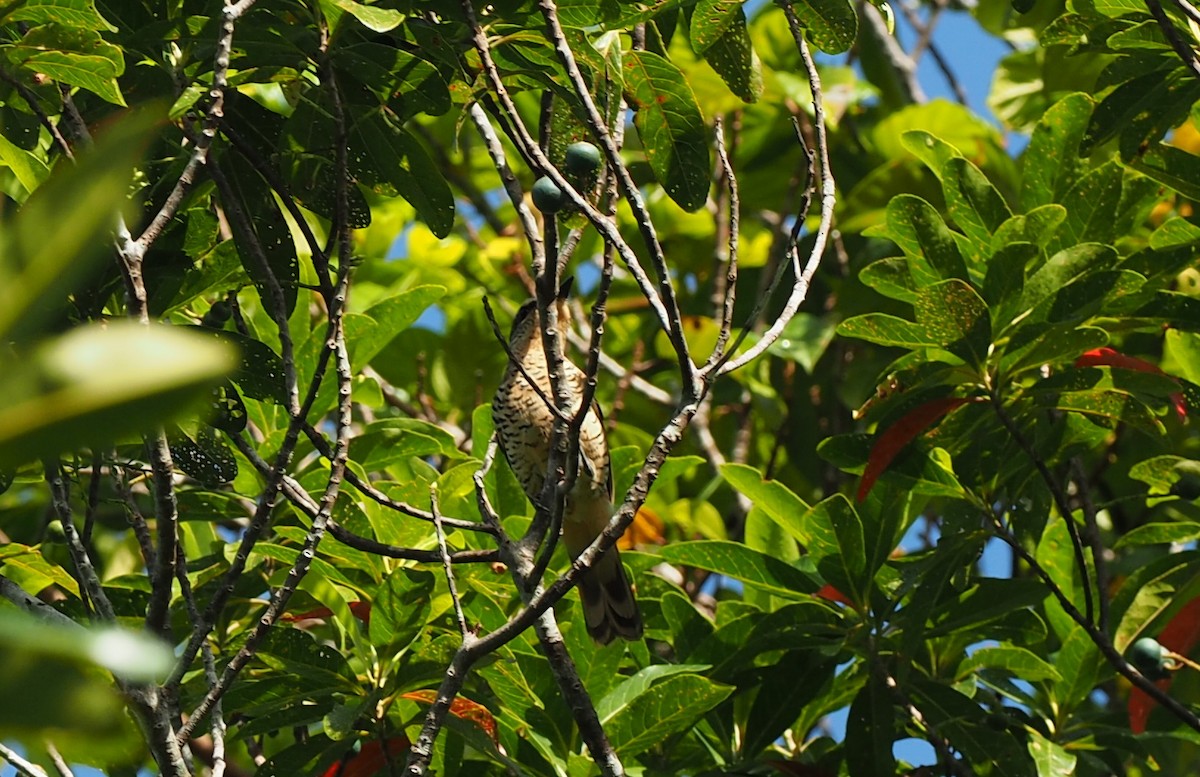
(526, 326)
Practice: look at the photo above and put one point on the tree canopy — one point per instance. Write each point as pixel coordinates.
(257, 268)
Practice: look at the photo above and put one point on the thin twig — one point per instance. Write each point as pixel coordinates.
(1099, 638)
(828, 199)
(89, 579)
(60, 763)
(447, 567)
(1059, 494)
(22, 766)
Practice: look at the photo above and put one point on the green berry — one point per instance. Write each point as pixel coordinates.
(582, 159)
(1149, 657)
(218, 314)
(547, 196)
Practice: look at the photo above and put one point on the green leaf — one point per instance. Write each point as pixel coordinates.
(1161, 473)
(205, 458)
(988, 599)
(259, 372)
(71, 13)
(784, 508)
(1017, 661)
(1052, 344)
(871, 730)
(934, 152)
(402, 80)
(837, 546)
(963, 721)
(956, 317)
(74, 56)
(668, 707)
(741, 563)
(1065, 267)
(265, 235)
(1005, 279)
(1173, 167)
(918, 229)
(28, 168)
(26, 566)
(974, 204)
(399, 609)
(394, 163)
(373, 17)
(41, 256)
(885, 329)
(1051, 161)
(670, 126)
(831, 24)
(1050, 758)
(804, 340)
(890, 277)
(710, 20)
(95, 384)
(1092, 207)
(788, 686)
(617, 701)
(733, 58)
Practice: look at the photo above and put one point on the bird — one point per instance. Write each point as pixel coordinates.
(524, 423)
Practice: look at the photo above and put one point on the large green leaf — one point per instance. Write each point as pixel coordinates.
(831, 24)
(668, 707)
(974, 203)
(1171, 167)
(871, 730)
(44, 256)
(71, 13)
(400, 608)
(393, 162)
(1051, 160)
(734, 59)
(775, 499)
(94, 385)
(711, 19)
(741, 563)
(670, 126)
(919, 230)
(956, 317)
(837, 546)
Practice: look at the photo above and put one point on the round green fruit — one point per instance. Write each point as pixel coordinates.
(582, 158)
(1149, 657)
(218, 314)
(547, 196)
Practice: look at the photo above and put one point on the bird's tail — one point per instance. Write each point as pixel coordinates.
(609, 607)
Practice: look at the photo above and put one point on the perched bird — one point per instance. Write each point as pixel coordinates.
(524, 424)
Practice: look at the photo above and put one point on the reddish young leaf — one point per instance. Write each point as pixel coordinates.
(462, 708)
(1180, 636)
(893, 440)
(370, 760)
(831, 594)
(1109, 357)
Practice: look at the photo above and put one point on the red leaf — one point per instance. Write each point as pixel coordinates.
(370, 759)
(893, 440)
(462, 708)
(1109, 357)
(1179, 636)
(831, 594)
